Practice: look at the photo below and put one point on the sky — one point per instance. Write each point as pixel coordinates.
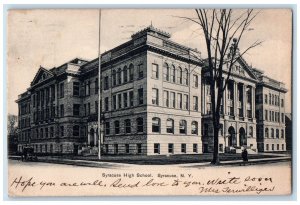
(50, 38)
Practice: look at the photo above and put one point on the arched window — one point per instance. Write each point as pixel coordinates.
(166, 72)
(114, 77)
(170, 126)
(125, 74)
(76, 130)
(182, 127)
(173, 71)
(119, 76)
(277, 133)
(251, 131)
(117, 127)
(272, 133)
(194, 128)
(41, 133)
(179, 75)
(282, 133)
(131, 72)
(128, 126)
(155, 124)
(140, 124)
(267, 132)
(186, 77)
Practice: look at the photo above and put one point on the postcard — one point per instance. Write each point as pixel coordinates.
(149, 102)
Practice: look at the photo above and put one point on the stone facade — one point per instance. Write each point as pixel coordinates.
(154, 100)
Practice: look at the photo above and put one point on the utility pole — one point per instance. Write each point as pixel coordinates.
(99, 90)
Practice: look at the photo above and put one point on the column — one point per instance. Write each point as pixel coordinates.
(244, 101)
(234, 98)
(225, 100)
(253, 102)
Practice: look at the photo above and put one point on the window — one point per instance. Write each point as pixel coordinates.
(116, 148)
(106, 83)
(126, 148)
(154, 96)
(166, 98)
(106, 105)
(125, 100)
(154, 71)
(195, 148)
(114, 77)
(155, 124)
(186, 77)
(76, 109)
(251, 131)
(186, 102)
(282, 146)
(140, 71)
(117, 127)
(46, 132)
(221, 147)
(107, 128)
(88, 108)
(62, 131)
(125, 74)
(141, 96)
(272, 99)
(119, 76)
(282, 133)
(51, 132)
(182, 127)
(156, 148)
(266, 99)
(195, 80)
(139, 148)
(179, 75)
(131, 72)
(172, 76)
(96, 86)
(61, 90)
(282, 102)
(266, 115)
(170, 126)
(183, 148)
(195, 103)
(87, 88)
(166, 71)
(119, 101)
(282, 117)
(172, 98)
(179, 97)
(277, 133)
(194, 128)
(140, 124)
(76, 130)
(131, 98)
(114, 102)
(272, 132)
(128, 126)
(75, 88)
(266, 132)
(272, 147)
(267, 147)
(277, 146)
(170, 148)
(62, 110)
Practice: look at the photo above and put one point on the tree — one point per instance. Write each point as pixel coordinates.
(223, 31)
(11, 124)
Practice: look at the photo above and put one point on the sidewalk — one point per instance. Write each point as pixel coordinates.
(109, 161)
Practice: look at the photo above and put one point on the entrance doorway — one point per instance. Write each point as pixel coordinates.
(232, 137)
(243, 138)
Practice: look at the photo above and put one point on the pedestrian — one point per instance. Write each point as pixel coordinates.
(245, 156)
